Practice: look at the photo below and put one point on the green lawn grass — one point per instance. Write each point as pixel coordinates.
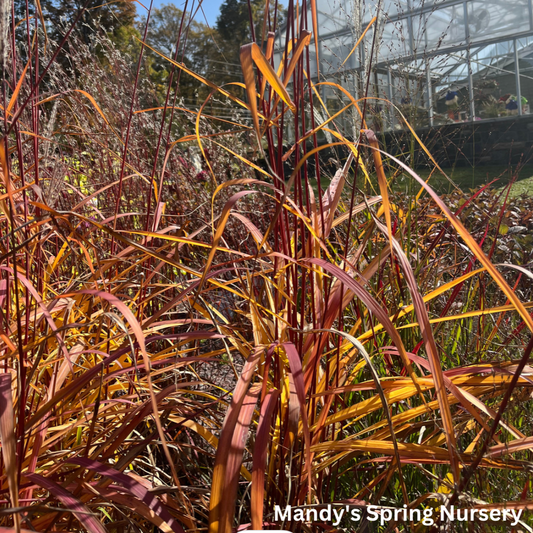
(524, 186)
(474, 177)
(465, 178)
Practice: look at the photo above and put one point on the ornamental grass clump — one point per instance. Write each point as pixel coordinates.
(193, 330)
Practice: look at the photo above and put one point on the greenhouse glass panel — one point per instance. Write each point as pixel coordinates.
(410, 94)
(494, 79)
(395, 42)
(333, 16)
(441, 28)
(382, 86)
(445, 60)
(327, 23)
(312, 61)
(525, 61)
(450, 91)
(334, 52)
(493, 18)
(420, 4)
(389, 8)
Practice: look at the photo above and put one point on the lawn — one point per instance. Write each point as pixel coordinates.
(473, 177)
(465, 178)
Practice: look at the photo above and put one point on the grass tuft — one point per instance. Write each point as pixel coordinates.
(200, 320)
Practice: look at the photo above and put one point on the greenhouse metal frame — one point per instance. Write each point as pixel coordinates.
(436, 61)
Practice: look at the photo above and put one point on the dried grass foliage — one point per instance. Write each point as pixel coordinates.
(190, 335)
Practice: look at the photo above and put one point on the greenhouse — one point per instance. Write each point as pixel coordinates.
(436, 61)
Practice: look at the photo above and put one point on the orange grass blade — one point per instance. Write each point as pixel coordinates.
(15, 94)
(250, 54)
(133, 487)
(314, 16)
(525, 443)
(218, 518)
(80, 510)
(260, 458)
(238, 443)
(268, 55)
(359, 40)
(374, 307)
(333, 193)
(295, 365)
(382, 181)
(7, 436)
(303, 40)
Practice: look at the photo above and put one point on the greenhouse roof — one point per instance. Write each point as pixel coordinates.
(422, 34)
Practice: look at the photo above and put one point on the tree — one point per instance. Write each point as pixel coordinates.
(211, 52)
(233, 23)
(198, 49)
(98, 15)
(20, 9)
